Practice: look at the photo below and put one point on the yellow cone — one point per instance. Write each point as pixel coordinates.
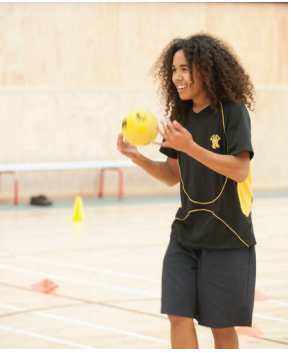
(78, 210)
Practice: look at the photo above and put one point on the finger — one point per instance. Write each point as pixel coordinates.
(165, 127)
(163, 123)
(163, 143)
(170, 126)
(120, 142)
(156, 143)
(177, 126)
(119, 138)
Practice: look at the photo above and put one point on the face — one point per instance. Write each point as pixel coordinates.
(181, 77)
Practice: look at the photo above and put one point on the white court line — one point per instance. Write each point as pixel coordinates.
(81, 281)
(113, 273)
(104, 285)
(88, 324)
(82, 267)
(94, 284)
(123, 274)
(269, 318)
(47, 338)
(100, 327)
(271, 283)
(11, 307)
(111, 329)
(277, 302)
(89, 268)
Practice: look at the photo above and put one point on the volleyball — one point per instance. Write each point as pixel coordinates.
(138, 127)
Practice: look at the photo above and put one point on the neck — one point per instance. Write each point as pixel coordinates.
(200, 104)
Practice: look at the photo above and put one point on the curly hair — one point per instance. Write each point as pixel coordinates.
(224, 78)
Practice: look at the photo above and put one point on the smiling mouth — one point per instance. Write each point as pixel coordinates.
(181, 88)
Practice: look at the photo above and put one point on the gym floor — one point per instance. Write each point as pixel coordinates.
(108, 272)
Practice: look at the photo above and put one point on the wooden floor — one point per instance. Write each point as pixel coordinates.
(109, 270)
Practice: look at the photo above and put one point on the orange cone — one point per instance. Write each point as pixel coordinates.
(44, 286)
(260, 296)
(249, 331)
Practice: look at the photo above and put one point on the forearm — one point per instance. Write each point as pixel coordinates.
(233, 167)
(159, 170)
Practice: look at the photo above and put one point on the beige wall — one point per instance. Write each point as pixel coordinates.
(69, 72)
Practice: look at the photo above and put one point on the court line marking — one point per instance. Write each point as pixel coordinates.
(269, 318)
(271, 283)
(87, 324)
(47, 338)
(11, 307)
(101, 327)
(122, 274)
(277, 302)
(81, 281)
(82, 267)
(96, 284)
(110, 272)
(108, 286)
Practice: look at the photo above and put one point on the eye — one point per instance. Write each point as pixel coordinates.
(174, 70)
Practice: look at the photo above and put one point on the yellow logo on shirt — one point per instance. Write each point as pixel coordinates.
(215, 139)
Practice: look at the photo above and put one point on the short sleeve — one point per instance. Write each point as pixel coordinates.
(238, 130)
(169, 152)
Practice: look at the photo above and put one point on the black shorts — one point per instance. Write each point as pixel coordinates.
(216, 288)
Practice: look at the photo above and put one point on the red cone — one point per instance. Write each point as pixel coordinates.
(44, 286)
(260, 296)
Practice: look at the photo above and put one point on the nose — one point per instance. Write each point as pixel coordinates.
(177, 76)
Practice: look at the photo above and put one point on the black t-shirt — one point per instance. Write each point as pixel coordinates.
(215, 211)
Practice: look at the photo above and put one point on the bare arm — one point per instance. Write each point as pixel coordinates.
(235, 167)
(167, 172)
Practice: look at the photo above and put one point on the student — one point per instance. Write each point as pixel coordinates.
(209, 267)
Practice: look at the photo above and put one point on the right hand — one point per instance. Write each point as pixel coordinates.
(126, 148)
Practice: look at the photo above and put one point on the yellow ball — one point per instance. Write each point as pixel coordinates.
(138, 127)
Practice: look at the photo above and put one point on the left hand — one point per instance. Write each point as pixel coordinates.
(175, 136)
